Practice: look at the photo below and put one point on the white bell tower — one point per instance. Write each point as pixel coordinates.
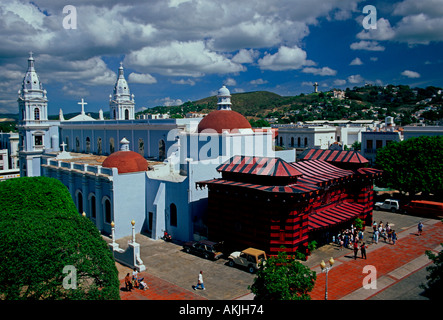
(37, 134)
(121, 102)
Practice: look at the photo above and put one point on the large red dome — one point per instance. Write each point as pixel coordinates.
(220, 120)
(126, 161)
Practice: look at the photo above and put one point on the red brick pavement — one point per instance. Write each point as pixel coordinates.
(347, 277)
(158, 290)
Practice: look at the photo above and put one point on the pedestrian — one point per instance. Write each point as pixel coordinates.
(128, 283)
(376, 234)
(363, 250)
(374, 226)
(340, 240)
(200, 282)
(355, 250)
(420, 228)
(393, 237)
(135, 282)
(360, 235)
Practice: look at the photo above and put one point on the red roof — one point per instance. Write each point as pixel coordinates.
(220, 120)
(293, 188)
(340, 213)
(126, 161)
(333, 156)
(320, 172)
(261, 166)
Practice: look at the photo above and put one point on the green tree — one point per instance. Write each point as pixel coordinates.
(435, 276)
(283, 278)
(47, 248)
(413, 165)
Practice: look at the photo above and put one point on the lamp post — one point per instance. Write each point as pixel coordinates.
(113, 232)
(326, 269)
(133, 231)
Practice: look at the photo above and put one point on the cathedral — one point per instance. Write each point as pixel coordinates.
(196, 178)
(125, 169)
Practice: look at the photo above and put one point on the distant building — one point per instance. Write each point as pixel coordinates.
(418, 131)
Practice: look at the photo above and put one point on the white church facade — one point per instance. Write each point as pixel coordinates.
(124, 169)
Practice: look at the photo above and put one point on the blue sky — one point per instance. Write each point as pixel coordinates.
(179, 50)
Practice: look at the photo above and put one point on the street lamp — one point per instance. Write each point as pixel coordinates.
(326, 269)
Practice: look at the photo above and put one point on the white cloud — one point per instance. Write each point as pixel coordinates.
(191, 59)
(230, 82)
(410, 74)
(285, 59)
(356, 62)
(245, 56)
(184, 82)
(339, 82)
(367, 45)
(168, 102)
(383, 31)
(325, 71)
(258, 81)
(355, 79)
(141, 78)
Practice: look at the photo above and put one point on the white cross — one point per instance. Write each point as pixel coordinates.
(83, 105)
(63, 146)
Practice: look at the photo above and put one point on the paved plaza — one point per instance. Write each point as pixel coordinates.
(400, 268)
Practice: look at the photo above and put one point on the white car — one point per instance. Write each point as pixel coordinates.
(388, 204)
(249, 258)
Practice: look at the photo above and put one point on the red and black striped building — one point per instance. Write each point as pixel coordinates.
(267, 203)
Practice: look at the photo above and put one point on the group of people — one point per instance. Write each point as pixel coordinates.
(135, 282)
(384, 231)
(351, 238)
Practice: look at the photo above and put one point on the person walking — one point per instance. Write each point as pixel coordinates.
(128, 282)
(393, 237)
(363, 250)
(420, 228)
(200, 282)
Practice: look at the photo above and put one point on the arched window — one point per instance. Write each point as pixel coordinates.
(92, 206)
(79, 202)
(115, 115)
(36, 114)
(88, 145)
(107, 210)
(77, 144)
(173, 215)
(111, 145)
(99, 146)
(161, 150)
(141, 146)
(126, 114)
(298, 141)
(67, 143)
(281, 141)
(292, 141)
(306, 142)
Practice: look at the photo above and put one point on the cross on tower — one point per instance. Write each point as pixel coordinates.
(63, 146)
(83, 105)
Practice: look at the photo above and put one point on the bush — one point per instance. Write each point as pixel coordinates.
(40, 237)
(35, 194)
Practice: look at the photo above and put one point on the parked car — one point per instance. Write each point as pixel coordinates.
(249, 258)
(205, 248)
(388, 204)
(424, 208)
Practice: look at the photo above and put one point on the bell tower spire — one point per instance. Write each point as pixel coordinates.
(121, 102)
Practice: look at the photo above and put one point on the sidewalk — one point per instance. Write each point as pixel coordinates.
(392, 264)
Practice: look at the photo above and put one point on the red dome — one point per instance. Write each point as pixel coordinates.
(219, 120)
(126, 161)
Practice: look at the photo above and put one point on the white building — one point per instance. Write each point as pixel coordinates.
(152, 179)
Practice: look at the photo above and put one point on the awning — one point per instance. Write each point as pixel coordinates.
(329, 217)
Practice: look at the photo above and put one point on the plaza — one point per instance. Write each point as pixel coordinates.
(401, 268)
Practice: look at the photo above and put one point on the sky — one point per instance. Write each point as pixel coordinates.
(175, 51)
